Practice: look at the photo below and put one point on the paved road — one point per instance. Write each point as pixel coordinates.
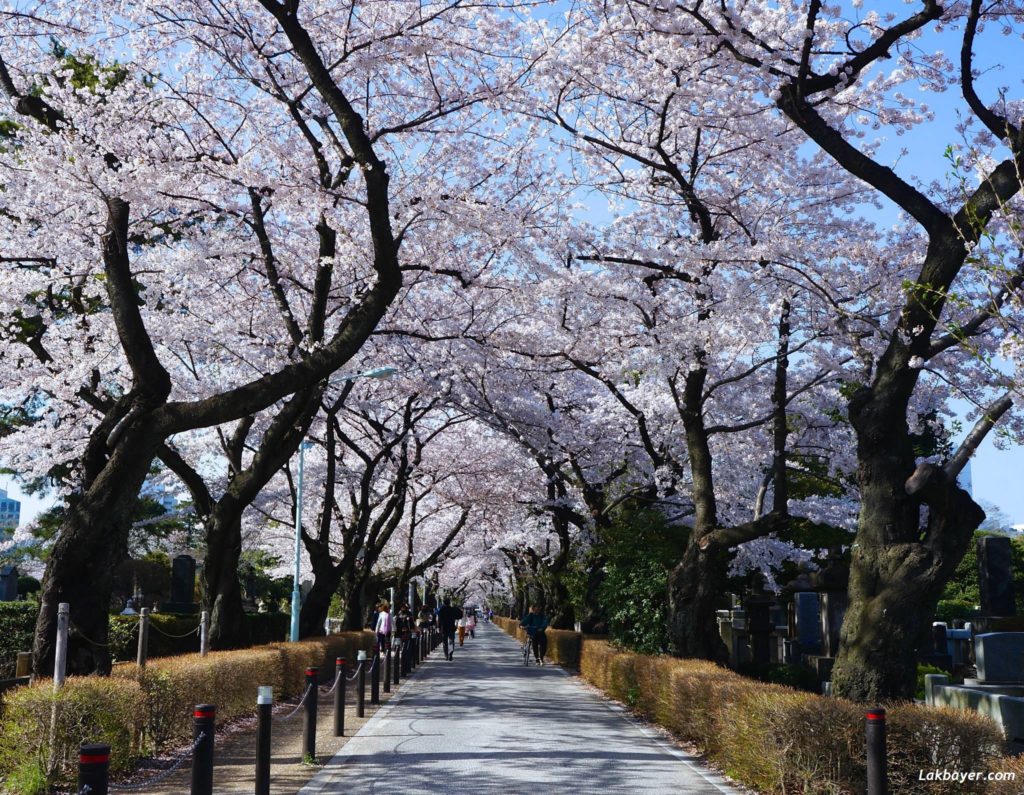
(485, 723)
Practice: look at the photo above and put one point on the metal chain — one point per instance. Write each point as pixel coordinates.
(337, 678)
(299, 706)
(192, 631)
(355, 673)
(162, 774)
(86, 638)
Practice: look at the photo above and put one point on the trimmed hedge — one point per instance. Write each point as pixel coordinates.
(17, 628)
(141, 711)
(779, 740)
(87, 709)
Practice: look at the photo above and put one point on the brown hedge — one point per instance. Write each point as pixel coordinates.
(782, 741)
(779, 740)
(139, 711)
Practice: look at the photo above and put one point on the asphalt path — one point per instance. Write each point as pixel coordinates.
(486, 723)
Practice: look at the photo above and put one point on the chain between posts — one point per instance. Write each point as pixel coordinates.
(299, 706)
(355, 673)
(192, 631)
(337, 679)
(158, 777)
(87, 639)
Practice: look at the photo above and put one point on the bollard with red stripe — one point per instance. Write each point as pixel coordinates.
(309, 717)
(93, 768)
(339, 697)
(204, 723)
(878, 780)
(375, 680)
(264, 707)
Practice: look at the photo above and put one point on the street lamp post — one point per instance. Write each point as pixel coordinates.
(296, 595)
(376, 372)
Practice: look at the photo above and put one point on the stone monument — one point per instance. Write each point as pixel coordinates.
(995, 577)
(183, 586)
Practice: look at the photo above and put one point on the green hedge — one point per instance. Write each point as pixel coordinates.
(141, 711)
(169, 634)
(17, 628)
(87, 709)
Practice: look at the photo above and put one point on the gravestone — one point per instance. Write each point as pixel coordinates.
(759, 626)
(183, 578)
(183, 586)
(1000, 657)
(8, 583)
(995, 577)
(808, 623)
(833, 606)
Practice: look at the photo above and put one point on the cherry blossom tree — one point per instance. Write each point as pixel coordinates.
(835, 74)
(225, 199)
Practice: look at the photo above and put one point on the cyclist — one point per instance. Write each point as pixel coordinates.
(535, 623)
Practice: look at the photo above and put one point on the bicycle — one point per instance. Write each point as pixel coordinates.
(527, 645)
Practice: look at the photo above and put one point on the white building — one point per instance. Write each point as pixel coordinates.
(10, 512)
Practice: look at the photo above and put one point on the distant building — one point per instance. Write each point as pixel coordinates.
(10, 512)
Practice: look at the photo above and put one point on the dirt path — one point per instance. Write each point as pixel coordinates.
(235, 754)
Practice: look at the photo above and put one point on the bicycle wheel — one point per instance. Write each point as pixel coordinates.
(526, 652)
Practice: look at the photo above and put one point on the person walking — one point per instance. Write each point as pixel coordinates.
(462, 628)
(383, 627)
(447, 618)
(535, 623)
(471, 623)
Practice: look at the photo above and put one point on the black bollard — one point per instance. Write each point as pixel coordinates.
(309, 716)
(375, 680)
(204, 722)
(406, 657)
(397, 666)
(361, 687)
(878, 783)
(387, 670)
(93, 768)
(339, 698)
(264, 708)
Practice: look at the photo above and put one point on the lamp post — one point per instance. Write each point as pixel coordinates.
(376, 372)
(296, 595)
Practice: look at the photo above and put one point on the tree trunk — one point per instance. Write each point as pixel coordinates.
(897, 574)
(353, 618)
(317, 604)
(696, 589)
(560, 611)
(91, 544)
(594, 616)
(221, 589)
